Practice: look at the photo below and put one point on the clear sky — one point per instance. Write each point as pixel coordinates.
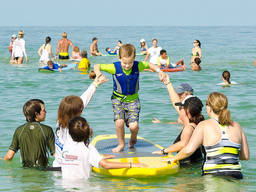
(127, 12)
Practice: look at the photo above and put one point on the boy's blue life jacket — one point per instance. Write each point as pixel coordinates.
(126, 84)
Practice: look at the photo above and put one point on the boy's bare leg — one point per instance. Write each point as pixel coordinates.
(134, 128)
(120, 136)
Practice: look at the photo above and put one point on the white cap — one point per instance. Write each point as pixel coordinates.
(142, 40)
(14, 36)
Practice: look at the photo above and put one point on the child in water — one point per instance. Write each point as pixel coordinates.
(125, 98)
(79, 155)
(111, 52)
(163, 60)
(196, 64)
(84, 64)
(226, 79)
(76, 53)
(52, 66)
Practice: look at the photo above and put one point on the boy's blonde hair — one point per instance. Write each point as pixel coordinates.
(127, 50)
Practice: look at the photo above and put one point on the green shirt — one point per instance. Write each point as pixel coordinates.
(33, 139)
(110, 68)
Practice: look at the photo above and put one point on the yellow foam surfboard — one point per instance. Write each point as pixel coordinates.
(142, 153)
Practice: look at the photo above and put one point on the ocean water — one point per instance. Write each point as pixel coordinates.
(224, 48)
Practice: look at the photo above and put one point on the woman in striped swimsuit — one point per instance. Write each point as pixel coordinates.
(224, 140)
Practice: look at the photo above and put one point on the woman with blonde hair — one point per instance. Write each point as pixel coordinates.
(223, 139)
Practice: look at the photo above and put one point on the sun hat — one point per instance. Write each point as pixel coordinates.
(14, 36)
(142, 40)
(183, 88)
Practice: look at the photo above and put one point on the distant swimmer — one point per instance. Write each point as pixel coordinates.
(10, 47)
(19, 49)
(153, 52)
(52, 66)
(76, 53)
(94, 51)
(110, 51)
(45, 51)
(226, 79)
(84, 64)
(63, 46)
(196, 51)
(143, 47)
(195, 66)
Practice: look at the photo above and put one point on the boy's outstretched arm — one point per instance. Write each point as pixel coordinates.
(97, 70)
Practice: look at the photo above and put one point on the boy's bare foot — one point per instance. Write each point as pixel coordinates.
(118, 149)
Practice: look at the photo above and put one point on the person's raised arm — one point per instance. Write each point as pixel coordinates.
(244, 153)
(9, 155)
(174, 97)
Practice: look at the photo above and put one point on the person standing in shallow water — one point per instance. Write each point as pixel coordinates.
(63, 46)
(196, 51)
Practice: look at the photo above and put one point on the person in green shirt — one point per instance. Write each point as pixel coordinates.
(125, 98)
(33, 138)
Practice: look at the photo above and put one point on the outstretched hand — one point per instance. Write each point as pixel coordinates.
(100, 79)
(161, 75)
(166, 79)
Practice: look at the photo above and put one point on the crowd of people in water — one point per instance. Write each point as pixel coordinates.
(218, 142)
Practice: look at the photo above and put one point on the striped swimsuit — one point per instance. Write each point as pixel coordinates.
(223, 158)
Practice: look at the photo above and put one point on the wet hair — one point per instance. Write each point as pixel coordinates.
(162, 51)
(226, 76)
(76, 49)
(194, 105)
(70, 107)
(94, 38)
(119, 41)
(127, 50)
(30, 109)
(107, 49)
(197, 61)
(80, 130)
(219, 104)
(84, 54)
(199, 43)
(47, 40)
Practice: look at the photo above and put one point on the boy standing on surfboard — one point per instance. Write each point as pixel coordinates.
(125, 98)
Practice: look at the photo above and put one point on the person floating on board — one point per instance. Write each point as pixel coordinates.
(94, 51)
(52, 66)
(163, 61)
(125, 98)
(224, 140)
(33, 138)
(79, 155)
(63, 46)
(110, 52)
(84, 64)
